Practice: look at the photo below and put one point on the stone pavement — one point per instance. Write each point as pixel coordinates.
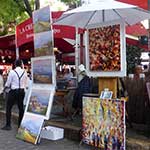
(8, 141)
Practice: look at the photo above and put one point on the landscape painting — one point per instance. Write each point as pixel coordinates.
(104, 123)
(42, 20)
(40, 101)
(43, 70)
(30, 128)
(43, 44)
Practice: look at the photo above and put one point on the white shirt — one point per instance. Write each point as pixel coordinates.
(13, 80)
(1, 84)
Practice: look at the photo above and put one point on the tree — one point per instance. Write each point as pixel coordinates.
(72, 3)
(12, 12)
(133, 57)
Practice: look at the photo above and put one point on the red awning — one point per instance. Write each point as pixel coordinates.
(24, 31)
(136, 30)
(141, 3)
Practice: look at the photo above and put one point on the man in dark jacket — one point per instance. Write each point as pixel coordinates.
(84, 86)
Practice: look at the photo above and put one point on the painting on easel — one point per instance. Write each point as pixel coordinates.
(104, 49)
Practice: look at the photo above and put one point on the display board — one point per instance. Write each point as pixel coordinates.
(43, 70)
(105, 50)
(104, 123)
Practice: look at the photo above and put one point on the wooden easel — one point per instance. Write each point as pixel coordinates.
(108, 82)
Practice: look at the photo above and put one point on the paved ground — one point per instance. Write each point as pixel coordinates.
(8, 141)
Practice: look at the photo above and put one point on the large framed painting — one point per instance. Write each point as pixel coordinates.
(43, 70)
(40, 101)
(43, 44)
(103, 123)
(30, 128)
(42, 20)
(105, 50)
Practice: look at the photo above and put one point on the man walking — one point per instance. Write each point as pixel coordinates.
(17, 80)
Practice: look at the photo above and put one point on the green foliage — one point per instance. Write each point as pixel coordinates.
(71, 2)
(11, 15)
(133, 57)
(9, 11)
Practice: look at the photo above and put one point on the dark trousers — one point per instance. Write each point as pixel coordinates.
(15, 96)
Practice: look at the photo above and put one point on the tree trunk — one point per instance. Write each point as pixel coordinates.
(28, 7)
(37, 4)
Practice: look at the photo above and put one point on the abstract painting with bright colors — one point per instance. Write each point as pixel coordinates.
(104, 123)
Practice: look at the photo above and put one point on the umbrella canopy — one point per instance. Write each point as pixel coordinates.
(101, 12)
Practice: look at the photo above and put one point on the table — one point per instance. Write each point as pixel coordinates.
(61, 101)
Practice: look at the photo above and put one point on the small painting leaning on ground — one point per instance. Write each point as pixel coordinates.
(30, 128)
(43, 70)
(104, 123)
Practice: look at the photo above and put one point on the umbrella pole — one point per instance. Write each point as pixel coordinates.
(77, 52)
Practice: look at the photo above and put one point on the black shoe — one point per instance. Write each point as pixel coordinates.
(6, 127)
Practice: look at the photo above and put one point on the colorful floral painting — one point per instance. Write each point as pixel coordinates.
(104, 48)
(30, 128)
(104, 123)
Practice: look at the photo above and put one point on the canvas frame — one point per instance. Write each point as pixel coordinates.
(122, 71)
(99, 116)
(25, 128)
(42, 15)
(43, 44)
(106, 95)
(48, 90)
(51, 60)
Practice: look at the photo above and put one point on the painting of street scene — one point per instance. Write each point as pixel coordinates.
(104, 123)
(104, 48)
(43, 44)
(42, 20)
(30, 128)
(39, 101)
(43, 70)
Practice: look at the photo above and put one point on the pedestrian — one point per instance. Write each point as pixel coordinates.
(17, 80)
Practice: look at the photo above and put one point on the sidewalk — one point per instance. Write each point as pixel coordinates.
(134, 141)
(9, 142)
